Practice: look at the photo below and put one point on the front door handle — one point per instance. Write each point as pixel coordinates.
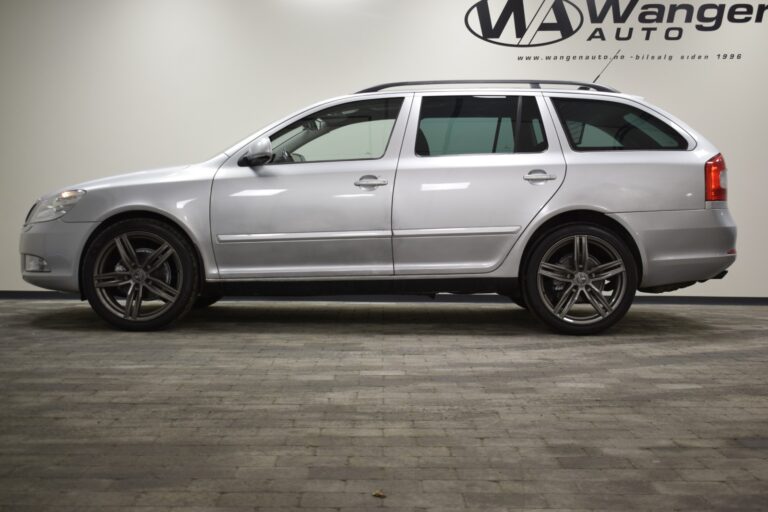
(539, 176)
(370, 181)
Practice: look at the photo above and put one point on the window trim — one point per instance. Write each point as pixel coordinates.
(518, 107)
(563, 124)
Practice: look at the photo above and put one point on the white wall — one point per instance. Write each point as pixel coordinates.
(90, 88)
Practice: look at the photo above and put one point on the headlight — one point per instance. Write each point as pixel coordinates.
(56, 206)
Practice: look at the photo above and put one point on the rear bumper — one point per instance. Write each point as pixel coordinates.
(60, 243)
(682, 246)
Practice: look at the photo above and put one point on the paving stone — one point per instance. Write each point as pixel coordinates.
(447, 407)
(338, 499)
(258, 499)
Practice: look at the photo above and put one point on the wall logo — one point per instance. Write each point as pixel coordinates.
(535, 23)
(531, 23)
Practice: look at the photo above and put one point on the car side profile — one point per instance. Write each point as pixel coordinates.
(567, 197)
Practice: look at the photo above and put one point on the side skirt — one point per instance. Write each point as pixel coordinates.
(507, 287)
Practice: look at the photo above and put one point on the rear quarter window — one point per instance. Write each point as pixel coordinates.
(597, 125)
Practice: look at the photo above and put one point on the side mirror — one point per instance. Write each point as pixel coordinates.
(258, 153)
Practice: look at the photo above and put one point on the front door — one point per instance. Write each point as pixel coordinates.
(474, 171)
(322, 206)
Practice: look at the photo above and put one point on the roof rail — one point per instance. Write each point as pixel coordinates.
(534, 84)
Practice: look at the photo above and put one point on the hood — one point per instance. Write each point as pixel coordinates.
(162, 175)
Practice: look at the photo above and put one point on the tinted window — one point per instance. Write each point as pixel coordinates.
(594, 125)
(353, 131)
(465, 125)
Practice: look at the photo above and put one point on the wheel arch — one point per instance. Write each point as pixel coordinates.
(588, 217)
(139, 214)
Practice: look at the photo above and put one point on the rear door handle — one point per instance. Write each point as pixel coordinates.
(370, 181)
(539, 176)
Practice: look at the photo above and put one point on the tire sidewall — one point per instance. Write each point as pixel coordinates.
(530, 278)
(190, 284)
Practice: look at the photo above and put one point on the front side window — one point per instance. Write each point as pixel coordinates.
(595, 125)
(359, 130)
(468, 125)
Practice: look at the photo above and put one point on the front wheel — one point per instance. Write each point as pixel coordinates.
(580, 279)
(140, 275)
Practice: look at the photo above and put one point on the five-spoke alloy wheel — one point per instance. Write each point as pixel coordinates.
(580, 279)
(140, 274)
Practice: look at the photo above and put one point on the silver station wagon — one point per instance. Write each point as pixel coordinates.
(566, 197)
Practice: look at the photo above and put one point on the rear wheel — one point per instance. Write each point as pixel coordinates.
(580, 279)
(140, 275)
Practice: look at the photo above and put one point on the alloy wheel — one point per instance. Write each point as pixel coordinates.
(582, 279)
(138, 276)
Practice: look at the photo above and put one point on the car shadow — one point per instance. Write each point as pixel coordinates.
(654, 323)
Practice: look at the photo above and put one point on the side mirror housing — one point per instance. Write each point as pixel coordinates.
(258, 153)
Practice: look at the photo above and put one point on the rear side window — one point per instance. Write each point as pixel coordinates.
(594, 125)
(469, 125)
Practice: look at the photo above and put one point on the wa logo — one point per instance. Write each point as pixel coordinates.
(524, 23)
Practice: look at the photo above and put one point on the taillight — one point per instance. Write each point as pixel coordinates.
(716, 182)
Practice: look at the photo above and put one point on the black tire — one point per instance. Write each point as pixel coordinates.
(140, 274)
(562, 285)
(204, 300)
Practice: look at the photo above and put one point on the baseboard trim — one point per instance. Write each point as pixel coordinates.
(704, 301)
(442, 297)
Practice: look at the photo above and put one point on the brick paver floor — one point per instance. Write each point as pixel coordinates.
(277, 406)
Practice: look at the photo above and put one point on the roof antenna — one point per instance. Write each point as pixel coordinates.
(606, 67)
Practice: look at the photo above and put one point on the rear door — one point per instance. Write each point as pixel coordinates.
(474, 171)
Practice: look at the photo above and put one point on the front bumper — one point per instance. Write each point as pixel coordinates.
(60, 244)
(682, 246)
